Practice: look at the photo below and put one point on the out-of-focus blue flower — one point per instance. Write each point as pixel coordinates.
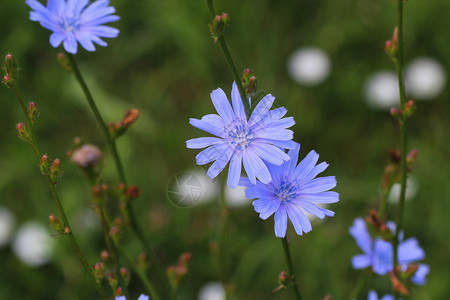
(141, 297)
(75, 21)
(240, 141)
(293, 189)
(374, 296)
(378, 253)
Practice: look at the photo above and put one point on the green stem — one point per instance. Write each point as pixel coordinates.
(231, 65)
(363, 276)
(140, 273)
(402, 122)
(112, 145)
(98, 117)
(287, 255)
(55, 195)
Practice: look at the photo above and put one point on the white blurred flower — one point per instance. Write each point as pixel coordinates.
(381, 90)
(236, 197)
(7, 223)
(212, 291)
(425, 78)
(33, 244)
(412, 188)
(309, 65)
(195, 187)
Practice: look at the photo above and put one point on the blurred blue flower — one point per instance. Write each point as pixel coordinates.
(141, 297)
(293, 189)
(378, 253)
(75, 21)
(374, 296)
(240, 141)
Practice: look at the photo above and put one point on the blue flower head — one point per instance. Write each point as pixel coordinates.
(293, 189)
(374, 296)
(141, 297)
(378, 253)
(240, 141)
(75, 21)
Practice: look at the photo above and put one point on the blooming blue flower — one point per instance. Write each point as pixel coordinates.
(378, 253)
(240, 141)
(293, 189)
(141, 297)
(374, 296)
(75, 21)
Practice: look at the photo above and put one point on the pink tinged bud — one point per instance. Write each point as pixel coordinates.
(119, 292)
(56, 224)
(55, 170)
(87, 156)
(8, 81)
(104, 255)
(125, 275)
(44, 164)
(11, 66)
(217, 25)
(246, 74)
(33, 111)
(22, 132)
(395, 36)
(64, 62)
(99, 270)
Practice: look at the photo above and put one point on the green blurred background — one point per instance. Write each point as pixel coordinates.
(165, 64)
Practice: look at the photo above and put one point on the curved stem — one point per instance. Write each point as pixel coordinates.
(55, 195)
(98, 117)
(287, 255)
(231, 65)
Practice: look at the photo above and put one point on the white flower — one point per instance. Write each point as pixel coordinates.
(381, 90)
(425, 78)
(7, 222)
(309, 66)
(212, 291)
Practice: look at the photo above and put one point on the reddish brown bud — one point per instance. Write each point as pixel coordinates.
(33, 111)
(397, 284)
(22, 132)
(104, 255)
(412, 157)
(130, 116)
(119, 292)
(133, 192)
(44, 164)
(395, 156)
(55, 170)
(99, 270)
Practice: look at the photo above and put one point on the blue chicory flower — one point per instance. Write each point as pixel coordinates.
(75, 21)
(378, 253)
(374, 296)
(240, 141)
(141, 297)
(293, 189)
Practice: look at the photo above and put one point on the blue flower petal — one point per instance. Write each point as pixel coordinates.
(360, 233)
(306, 165)
(202, 142)
(311, 208)
(361, 261)
(269, 153)
(210, 154)
(410, 251)
(419, 277)
(280, 222)
(324, 197)
(205, 124)
(222, 105)
(234, 173)
(220, 163)
(320, 184)
(261, 109)
(270, 208)
(237, 103)
(298, 219)
(260, 169)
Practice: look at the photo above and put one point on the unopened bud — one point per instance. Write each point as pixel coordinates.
(56, 224)
(411, 158)
(119, 292)
(132, 192)
(99, 270)
(11, 66)
(125, 275)
(55, 170)
(391, 46)
(64, 62)
(119, 128)
(22, 132)
(397, 284)
(283, 281)
(217, 25)
(33, 111)
(8, 81)
(104, 255)
(44, 164)
(410, 107)
(246, 74)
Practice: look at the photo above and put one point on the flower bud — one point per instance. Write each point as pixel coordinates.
(283, 280)
(56, 224)
(22, 132)
(125, 275)
(132, 192)
(64, 62)
(99, 270)
(119, 128)
(55, 170)
(11, 66)
(119, 292)
(397, 284)
(217, 25)
(8, 81)
(87, 156)
(33, 111)
(44, 164)
(411, 158)
(391, 46)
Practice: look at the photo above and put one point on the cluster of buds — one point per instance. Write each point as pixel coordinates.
(178, 271)
(249, 82)
(56, 224)
(403, 114)
(119, 128)
(218, 24)
(391, 46)
(12, 71)
(392, 172)
(53, 170)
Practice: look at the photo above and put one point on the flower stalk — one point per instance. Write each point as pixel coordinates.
(230, 63)
(287, 255)
(54, 192)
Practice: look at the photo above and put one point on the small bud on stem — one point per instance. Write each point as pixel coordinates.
(217, 26)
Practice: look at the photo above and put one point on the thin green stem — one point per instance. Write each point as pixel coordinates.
(231, 64)
(55, 195)
(112, 145)
(287, 255)
(98, 117)
(363, 276)
(403, 136)
(140, 273)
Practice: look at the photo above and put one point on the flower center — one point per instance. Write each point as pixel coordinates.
(69, 23)
(238, 134)
(287, 191)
